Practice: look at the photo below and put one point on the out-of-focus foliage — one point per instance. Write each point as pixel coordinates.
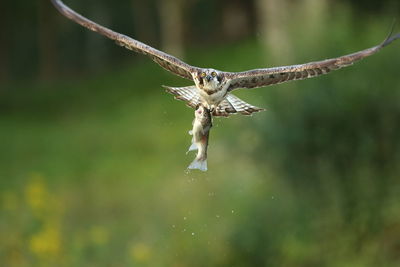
(33, 32)
(92, 169)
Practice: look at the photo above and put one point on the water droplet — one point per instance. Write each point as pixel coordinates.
(184, 218)
(192, 233)
(233, 211)
(184, 230)
(217, 216)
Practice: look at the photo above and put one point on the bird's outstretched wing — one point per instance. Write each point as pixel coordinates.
(264, 77)
(166, 61)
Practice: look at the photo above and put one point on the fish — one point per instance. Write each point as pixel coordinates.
(202, 124)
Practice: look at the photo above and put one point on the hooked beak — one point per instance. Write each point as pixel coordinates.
(209, 78)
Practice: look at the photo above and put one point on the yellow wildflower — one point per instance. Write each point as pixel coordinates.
(140, 252)
(47, 243)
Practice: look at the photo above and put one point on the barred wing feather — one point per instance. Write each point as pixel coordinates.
(264, 77)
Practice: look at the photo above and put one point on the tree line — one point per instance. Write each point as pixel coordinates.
(37, 42)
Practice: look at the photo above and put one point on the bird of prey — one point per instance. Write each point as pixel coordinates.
(213, 88)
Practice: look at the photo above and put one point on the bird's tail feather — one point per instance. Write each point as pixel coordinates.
(234, 105)
(188, 94)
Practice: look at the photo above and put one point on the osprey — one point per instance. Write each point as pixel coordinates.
(213, 87)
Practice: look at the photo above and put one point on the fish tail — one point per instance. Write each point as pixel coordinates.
(198, 164)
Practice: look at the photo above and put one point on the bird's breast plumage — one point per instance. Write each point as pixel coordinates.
(213, 96)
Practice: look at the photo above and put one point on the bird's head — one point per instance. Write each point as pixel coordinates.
(208, 79)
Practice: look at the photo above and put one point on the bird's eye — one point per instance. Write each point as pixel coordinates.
(214, 74)
(203, 75)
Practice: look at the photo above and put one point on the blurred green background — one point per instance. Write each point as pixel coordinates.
(92, 150)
